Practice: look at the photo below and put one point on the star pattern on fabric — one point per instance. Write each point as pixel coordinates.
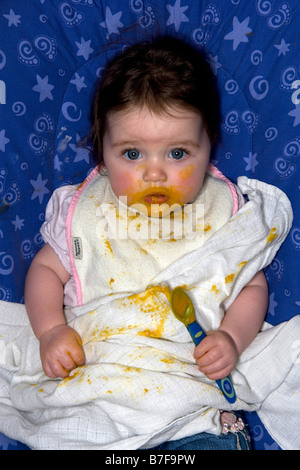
(112, 22)
(3, 140)
(78, 82)
(57, 163)
(13, 19)
(84, 48)
(40, 189)
(43, 88)
(296, 114)
(283, 47)
(251, 161)
(272, 446)
(272, 304)
(81, 153)
(18, 223)
(177, 15)
(214, 63)
(239, 33)
(7, 443)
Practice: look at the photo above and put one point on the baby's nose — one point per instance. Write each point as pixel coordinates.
(155, 172)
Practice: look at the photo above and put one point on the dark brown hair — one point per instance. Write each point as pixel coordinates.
(162, 74)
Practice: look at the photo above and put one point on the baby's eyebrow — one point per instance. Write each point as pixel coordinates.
(186, 143)
(126, 143)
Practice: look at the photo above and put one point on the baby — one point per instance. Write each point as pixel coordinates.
(155, 119)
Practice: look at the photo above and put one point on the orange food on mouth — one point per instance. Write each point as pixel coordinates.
(158, 195)
(156, 201)
(156, 198)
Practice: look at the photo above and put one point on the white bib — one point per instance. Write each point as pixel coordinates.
(117, 249)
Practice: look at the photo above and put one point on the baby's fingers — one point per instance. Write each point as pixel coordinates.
(68, 363)
(55, 370)
(61, 368)
(78, 357)
(212, 356)
(204, 347)
(64, 364)
(218, 374)
(71, 359)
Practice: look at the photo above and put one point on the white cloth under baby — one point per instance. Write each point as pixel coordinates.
(140, 385)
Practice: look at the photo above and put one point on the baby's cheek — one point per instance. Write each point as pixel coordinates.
(121, 182)
(188, 182)
(186, 173)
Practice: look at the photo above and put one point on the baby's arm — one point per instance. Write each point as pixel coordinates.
(218, 353)
(60, 345)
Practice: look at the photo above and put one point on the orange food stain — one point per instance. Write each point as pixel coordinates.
(215, 289)
(207, 228)
(108, 246)
(73, 376)
(78, 374)
(242, 264)
(81, 184)
(151, 302)
(130, 369)
(272, 235)
(168, 360)
(150, 295)
(186, 172)
(229, 278)
(150, 333)
(136, 199)
(98, 334)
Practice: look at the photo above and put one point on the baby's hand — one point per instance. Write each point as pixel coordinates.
(61, 351)
(216, 355)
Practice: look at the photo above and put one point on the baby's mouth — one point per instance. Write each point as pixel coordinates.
(156, 198)
(156, 202)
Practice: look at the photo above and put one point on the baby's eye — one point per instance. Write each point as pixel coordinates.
(132, 154)
(178, 154)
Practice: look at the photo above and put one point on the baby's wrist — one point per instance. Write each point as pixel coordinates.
(231, 339)
(53, 329)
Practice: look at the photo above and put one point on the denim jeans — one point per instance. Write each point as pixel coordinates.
(239, 440)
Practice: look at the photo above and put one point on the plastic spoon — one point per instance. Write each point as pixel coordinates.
(183, 310)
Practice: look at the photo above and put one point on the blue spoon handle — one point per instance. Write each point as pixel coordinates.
(225, 385)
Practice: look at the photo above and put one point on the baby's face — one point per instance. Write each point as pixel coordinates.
(156, 160)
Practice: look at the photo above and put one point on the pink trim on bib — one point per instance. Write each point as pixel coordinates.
(69, 219)
(218, 174)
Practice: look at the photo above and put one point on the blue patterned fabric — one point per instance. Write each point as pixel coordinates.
(51, 53)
